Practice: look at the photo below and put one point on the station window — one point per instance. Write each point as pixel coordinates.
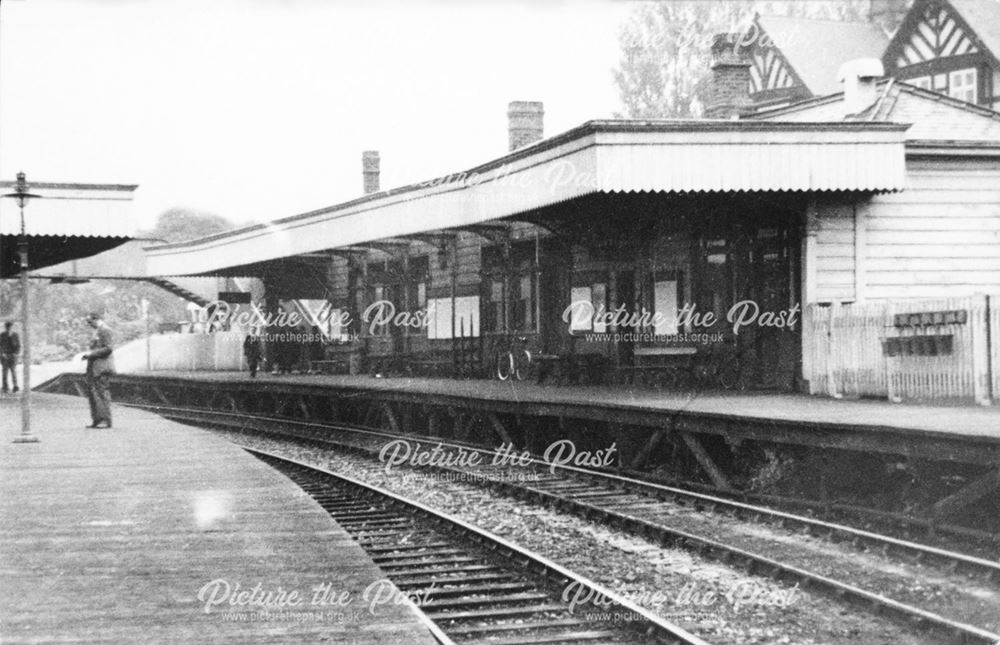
(664, 296)
(963, 85)
(356, 299)
(524, 303)
(459, 314)
(586, 302)
(375, 300)
(715, 285)
(599, 298)
(418, 275)
(510, 288)
(493, 316)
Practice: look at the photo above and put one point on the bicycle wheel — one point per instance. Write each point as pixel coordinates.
(521, 367)
(505, 365)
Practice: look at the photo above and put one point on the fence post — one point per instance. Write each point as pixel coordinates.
(831, 352)
(890, 380)
(980, 344)
(991, 367)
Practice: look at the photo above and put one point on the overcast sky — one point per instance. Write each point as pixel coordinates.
(257, 109)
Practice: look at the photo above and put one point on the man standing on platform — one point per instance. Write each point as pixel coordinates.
(100, 367)
(252, 350)
(10, 347)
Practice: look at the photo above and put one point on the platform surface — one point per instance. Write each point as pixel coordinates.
(112, 535)
(970, 420)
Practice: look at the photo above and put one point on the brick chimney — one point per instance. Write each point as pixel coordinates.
(525, 123)
(370, 170)
(729, 89)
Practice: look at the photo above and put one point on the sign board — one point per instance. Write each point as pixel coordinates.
(235, 297)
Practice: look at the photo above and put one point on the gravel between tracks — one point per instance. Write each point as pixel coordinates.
(699, 595)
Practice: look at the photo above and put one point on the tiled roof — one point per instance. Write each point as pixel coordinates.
(935, 117)
(815, 49)
(984, 18)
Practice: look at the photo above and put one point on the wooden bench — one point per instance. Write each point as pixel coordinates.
(571, 368)
(430, 365)
(658, 365)
(330, 366)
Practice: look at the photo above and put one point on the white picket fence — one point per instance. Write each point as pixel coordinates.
(218, 351)
(844, 355)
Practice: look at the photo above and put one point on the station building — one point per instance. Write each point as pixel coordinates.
(881, 193)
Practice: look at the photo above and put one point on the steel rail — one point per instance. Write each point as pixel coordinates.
(829, 530)
(754, 563)
(554, 574)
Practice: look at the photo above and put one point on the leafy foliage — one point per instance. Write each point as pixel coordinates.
(182, 224)
(664, 69)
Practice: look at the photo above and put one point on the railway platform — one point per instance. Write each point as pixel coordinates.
(158, 532)
(963, 434)
(968, 420)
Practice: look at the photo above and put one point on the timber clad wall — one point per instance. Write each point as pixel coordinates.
(835, 252)
(938, 238)
(906, 252)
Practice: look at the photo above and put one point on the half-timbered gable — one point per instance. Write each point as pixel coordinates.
(772, 79)
(949, 46)
(797, 58)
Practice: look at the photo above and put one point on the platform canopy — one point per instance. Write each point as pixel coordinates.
(675, 156)
(68, 221)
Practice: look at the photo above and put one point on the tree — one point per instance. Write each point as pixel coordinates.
(664, 69)
(182, 224)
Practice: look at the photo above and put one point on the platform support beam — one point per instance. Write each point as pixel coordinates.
(461, 431)
(280, 406)
(371, 414)
(499, 428)
(654, 441)
(304, 408)
(971, 493)
(705, 460)
(618, 433)
(390, 415)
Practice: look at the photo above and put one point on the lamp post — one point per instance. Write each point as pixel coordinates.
(22, 196)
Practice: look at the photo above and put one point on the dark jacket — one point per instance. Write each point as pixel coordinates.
(251, 347)
(10, 344)
(99, 359)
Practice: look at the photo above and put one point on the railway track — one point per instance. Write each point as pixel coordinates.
(635, 506)
(475, 587)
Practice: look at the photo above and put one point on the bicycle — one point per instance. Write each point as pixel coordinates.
(514, 361)
(716, 368)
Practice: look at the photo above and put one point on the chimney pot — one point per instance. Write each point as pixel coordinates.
(859, 77)
(370, 171)
(525, 123)
(729, 91)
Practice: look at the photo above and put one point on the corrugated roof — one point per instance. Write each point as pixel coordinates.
(600, 156)
(816, 49)
(70, 209)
